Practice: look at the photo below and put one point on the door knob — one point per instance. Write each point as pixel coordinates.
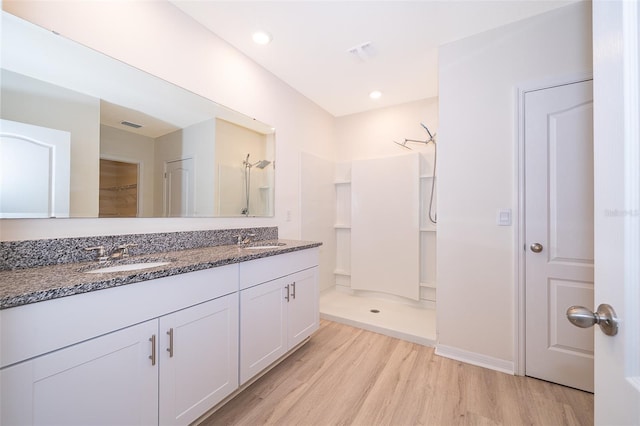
(605, 317)
(536, 247)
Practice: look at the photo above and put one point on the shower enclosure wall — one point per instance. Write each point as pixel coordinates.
(424, 287)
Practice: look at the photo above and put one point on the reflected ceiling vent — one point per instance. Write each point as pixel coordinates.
(363, 51)
(130, 124)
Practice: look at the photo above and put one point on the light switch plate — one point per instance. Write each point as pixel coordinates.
(504, 217)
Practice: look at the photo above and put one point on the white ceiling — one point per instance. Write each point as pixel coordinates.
(311, 40)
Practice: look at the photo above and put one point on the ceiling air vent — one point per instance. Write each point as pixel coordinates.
(130, 124)
(363, 51)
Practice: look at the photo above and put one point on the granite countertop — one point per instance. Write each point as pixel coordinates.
(31, 285)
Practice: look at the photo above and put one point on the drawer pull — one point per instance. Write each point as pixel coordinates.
(293, 292)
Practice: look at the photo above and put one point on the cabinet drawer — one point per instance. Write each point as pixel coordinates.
(266, 269)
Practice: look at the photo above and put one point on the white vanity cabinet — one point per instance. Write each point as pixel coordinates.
(108, 380)
(163, 351)
(92, 366)
(198, 359)
(278, 308)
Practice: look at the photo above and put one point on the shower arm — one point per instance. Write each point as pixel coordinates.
(432, 138)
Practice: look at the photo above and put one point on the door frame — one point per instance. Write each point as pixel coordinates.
(519, 330)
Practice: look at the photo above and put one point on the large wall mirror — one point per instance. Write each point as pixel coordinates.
(85, 135)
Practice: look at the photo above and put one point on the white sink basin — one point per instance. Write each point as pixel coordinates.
(126, 267)
(266, 246)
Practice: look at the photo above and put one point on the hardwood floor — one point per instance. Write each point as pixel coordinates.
(349, 376)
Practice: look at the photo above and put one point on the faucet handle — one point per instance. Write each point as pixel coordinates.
(101, 253)
(124, 249)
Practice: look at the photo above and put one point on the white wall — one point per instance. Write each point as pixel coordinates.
(318, 208)
(370, 134)
(158, 38)
(476, 159)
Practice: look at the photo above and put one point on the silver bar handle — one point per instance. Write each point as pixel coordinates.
(170, 348)
(293, 293)
(287, 296)
(152, 357)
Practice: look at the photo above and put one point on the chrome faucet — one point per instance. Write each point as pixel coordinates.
(102, 256)
(246, 240)
(121, 253)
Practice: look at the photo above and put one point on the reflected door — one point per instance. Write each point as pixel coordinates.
(559, 232)
(118, 189)
(179, 188)
(34, 171)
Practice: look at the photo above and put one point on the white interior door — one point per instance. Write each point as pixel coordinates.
(179, 188)
(617, 208)
(35, 164)
(558, 143)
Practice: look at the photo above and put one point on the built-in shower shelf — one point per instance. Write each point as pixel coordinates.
(428, 229)
(342, 182)
(342, 226)
(428, 285)
(341, 272)
(426, 176)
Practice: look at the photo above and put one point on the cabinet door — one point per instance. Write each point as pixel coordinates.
(303, 316)
(263, 336)
(109, 380)
(198, 359)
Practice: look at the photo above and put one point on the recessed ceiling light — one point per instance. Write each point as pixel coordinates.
(262, 37)
(375, 94)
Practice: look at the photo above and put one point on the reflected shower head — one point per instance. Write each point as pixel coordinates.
(262, 164)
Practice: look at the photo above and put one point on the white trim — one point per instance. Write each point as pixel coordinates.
(519, 338)
(631, 44)
(473, 358)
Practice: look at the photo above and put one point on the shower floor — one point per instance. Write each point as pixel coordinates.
(394, 319)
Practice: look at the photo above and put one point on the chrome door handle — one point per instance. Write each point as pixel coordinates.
(605, 317)
(536, 247)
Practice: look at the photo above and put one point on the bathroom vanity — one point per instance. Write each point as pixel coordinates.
(164, 349)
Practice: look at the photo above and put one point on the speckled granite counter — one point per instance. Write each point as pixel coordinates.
(31, 285)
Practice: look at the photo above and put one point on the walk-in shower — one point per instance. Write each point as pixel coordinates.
(261, 164)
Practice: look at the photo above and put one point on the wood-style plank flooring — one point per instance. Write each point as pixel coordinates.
(349, 376)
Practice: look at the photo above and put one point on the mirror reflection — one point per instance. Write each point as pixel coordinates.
(84, 135)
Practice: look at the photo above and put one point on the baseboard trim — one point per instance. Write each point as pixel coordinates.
(476, 359)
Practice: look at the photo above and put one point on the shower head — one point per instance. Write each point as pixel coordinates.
(404, 145)
(262, 164)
